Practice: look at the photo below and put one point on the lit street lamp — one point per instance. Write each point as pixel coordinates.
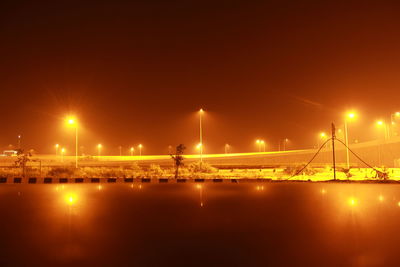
(132, 150)
(227, 146)
(57, 146)
(140, 149)
(99, 147)
(62, 154)
(72, 122)
(382, 124)
(349, 116)
(19, 141)
(261, 144)
(201, 133)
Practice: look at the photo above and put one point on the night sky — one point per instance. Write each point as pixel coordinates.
(138, 71)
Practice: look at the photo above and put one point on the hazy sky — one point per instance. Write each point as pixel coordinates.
(137, 71)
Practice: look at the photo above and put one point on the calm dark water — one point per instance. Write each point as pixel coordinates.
(269, 224)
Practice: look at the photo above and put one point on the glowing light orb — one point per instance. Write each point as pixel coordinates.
(352, 201)
(70, 199)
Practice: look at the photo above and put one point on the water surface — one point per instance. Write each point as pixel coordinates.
(266, 224)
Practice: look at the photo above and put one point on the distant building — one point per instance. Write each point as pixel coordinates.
(10, 153)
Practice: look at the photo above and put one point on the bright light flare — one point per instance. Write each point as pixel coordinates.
(381, 198)
(322, 135)
(71, 199)
(351, 115)
(71, 121)
(352, 201)
(380, 123)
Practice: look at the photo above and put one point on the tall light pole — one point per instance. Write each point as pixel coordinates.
(99, 147)
(19, 141)
(349, 116)
(132, 150)
(62, 154)
(72, 122)
(140, 149)
(258, 142)
(227, 146)
(57, 146)
(201, 133)
(285, 141)
(383, 124)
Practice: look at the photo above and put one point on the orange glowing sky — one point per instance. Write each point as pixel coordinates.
(138, 72)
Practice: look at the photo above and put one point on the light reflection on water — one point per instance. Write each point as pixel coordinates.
(277, 223)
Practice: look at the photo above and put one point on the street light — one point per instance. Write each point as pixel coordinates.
(120, 151)
(382, 124)
(285, 142)
(349, 116)
(57, 146)
(258, 142)
(227, 146)
(19, 141)
(140, 149)
(71, 121)
(132, 150)
(201, 133)
(99, 147)
(261, 144)
(62, 154)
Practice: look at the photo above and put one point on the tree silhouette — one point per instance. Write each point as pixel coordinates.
(22, 159)
(178, 158)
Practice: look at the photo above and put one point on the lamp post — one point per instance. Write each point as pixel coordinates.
(258, 142)
(19, 141)
(263, 145)
(201, 133)
(72, 122)
(349, 116)
(383, 124)
(285, 141)
(99, 147)
(57, 146)
(227, 146)
(62, 154)
(140, 149)
(132, 150)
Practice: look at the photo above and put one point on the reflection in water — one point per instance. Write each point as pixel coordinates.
(259, 187)
(71, 198)
(200, 188)
(292, 225)
(352, 201)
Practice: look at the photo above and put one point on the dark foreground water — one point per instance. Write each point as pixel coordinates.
(269, 224)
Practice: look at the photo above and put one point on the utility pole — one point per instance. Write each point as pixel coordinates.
(333, 150)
